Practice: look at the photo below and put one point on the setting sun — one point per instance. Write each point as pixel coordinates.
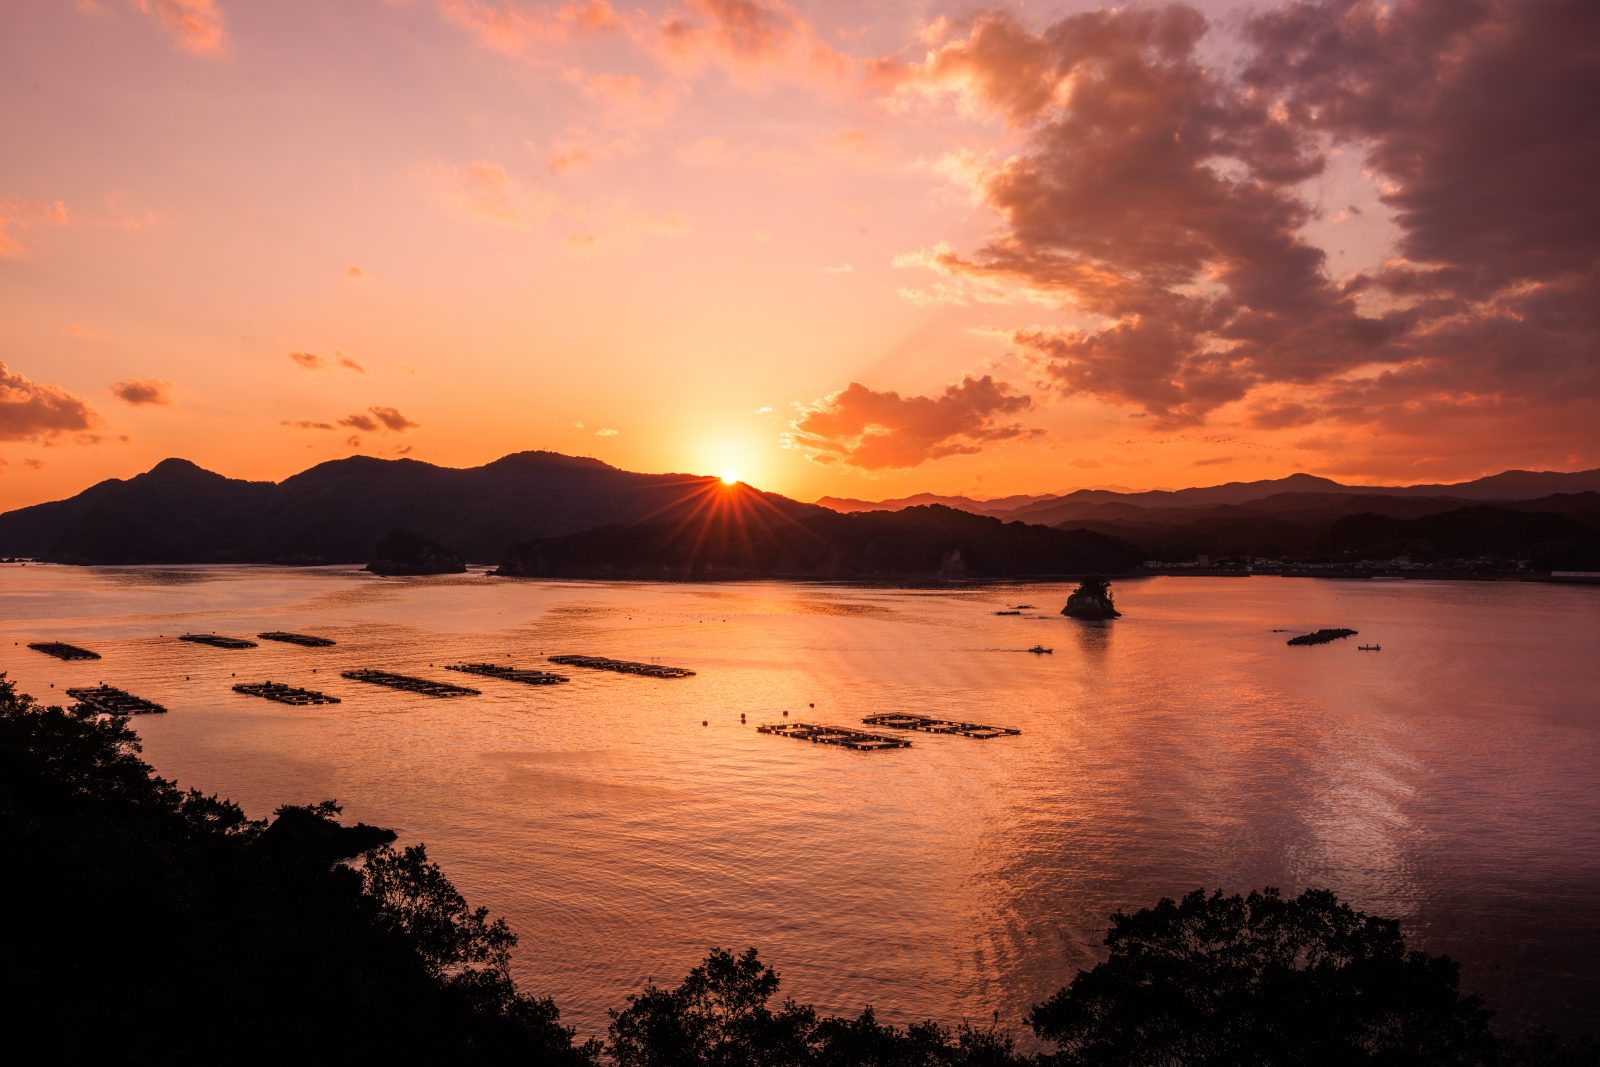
(730, 477)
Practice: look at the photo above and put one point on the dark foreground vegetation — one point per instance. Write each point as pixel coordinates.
(147, 924)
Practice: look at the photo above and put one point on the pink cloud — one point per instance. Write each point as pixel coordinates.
(753, 41)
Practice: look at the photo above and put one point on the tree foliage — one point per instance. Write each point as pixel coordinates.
(146, 923)
(721, 1016)
(1260, 979)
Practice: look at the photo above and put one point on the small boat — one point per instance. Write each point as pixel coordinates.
(1369, 648)
(1008, 613)
(1040, 650)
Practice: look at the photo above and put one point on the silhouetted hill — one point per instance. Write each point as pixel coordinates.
(737, 537)
(336, 512)
(402, 552)
(1054, 509)
(1317, 526)
(1549, 540)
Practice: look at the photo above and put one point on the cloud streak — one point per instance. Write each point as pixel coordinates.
(312, 361)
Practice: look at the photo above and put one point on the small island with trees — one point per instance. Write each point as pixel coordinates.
(1092, 600)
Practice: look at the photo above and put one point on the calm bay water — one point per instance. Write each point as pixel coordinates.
(1451, 780)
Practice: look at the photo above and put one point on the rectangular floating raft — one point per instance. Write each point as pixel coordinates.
(217, 641)
(622, 666)
(859, 740)
(409, 684)
(109, 700)
(284, 694)
(509, 674)
(304, 640)
(62, 650)
(903, 721)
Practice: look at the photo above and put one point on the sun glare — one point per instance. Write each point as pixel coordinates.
(730, 477)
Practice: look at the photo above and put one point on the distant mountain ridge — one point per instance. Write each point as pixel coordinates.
(1049, 510)
(997, 506)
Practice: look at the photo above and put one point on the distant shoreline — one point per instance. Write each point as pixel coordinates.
(486, 570)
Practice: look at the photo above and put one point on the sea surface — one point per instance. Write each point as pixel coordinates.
(625, 824)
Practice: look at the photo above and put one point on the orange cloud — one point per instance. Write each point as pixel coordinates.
(486, 190)
(139, 392)
(378, 419)
(33, 412)
(196, 25)
(514, 28)
(871, 430)
(312, 361)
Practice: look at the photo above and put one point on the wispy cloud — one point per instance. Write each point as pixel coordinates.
(20, 215)
(196, 25)
(312, 361)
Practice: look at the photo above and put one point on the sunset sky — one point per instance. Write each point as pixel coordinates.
(839, 248)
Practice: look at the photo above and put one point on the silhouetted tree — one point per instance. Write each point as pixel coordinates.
(720, 1017)
(1263, 980)
(1097, 587)
(143, 923)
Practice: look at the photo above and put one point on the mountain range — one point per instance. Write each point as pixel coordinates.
(1050, 509)
(564, 515)
(546, 514)
(1550, 519)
